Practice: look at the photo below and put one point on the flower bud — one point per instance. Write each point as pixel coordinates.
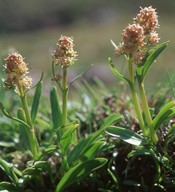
(133, 38)
(64, 54)
(16, 70)
(148, 19)
(153, 38)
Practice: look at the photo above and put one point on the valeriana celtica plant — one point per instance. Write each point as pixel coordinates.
(64, 56)
(79, 161)
(76, 155)
(140, 48)
(18, 80)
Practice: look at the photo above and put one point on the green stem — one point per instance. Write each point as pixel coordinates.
(135, 97)
(138, 110)
(145, 104)
(147, 112)
(64, 97)
(64, 88)
(34, 147)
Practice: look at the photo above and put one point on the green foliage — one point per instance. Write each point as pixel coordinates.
(86, 144)
(150, 58)
(126, 135)
(117, 73)
(36, 101)
(93, 141)
(79, 172)
(23, 130)
(55, 107)
(166, 113)
(9, 170)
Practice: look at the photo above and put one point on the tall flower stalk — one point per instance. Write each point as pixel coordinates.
(18, 80)
(139, 41)
(64, 56)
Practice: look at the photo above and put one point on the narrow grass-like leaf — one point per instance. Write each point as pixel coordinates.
(158, 49)
(151, 56)
(164, 118)
(23, 129)
(111, 119)
(171, 132)
(126, 135)
(55, 107)
(85, 144)
(79, 172)
(9, 170)
(92, 150)
(41, 78)
(165, 114)
(9, 187)
(78, 76)
(114, 177)
(69, 129)
(94, 93)
(47, 151)
(117, 73)
(11, 117)
(36, 101)
(66, 138)
(142, 151)
(37, 167)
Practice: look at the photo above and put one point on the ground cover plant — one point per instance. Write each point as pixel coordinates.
(94, 143)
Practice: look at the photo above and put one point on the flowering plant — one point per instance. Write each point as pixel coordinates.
(65, 157)
(17, 79)
(52, 150)
(140, 48)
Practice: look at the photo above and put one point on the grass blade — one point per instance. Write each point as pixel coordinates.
(8, 169)
(55, 109)
(36, 101)
(79, 172)
(125, 134)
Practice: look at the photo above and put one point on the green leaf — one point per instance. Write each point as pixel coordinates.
(141, 151)
(78, 76)
(13, 118)
(7, 144)
(84, 145)
(79, 172)
(111, 119)
(37, 167)
(9, 170)
(23, 130)
(48, 150)
(151, 56)
(55, 109)
(92, 151)
(114, 177)
(67, 135)
(117, 73)
(165, 114)
(9, 187)
(126, 135)
(69, 129)
(36, 101)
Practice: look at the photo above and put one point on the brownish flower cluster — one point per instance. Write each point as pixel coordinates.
(133, 37)
(148, 19)
(64, 54)
(16, 70)
(139, 35)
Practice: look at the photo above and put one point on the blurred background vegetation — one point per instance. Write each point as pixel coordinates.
(33, 27)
